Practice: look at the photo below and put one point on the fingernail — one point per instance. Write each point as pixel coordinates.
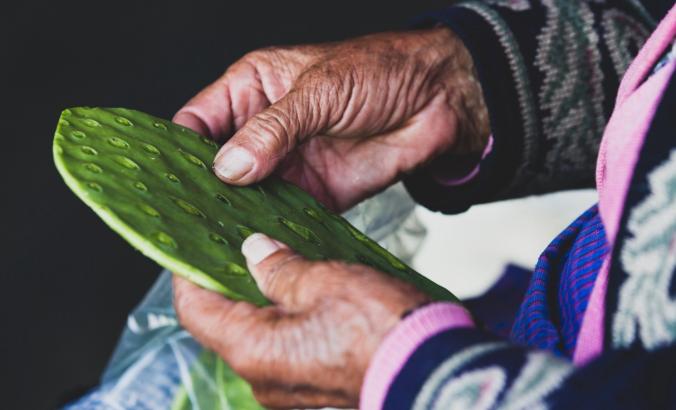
(234, 163)
(258, 247)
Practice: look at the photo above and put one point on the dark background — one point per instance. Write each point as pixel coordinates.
(66, 280)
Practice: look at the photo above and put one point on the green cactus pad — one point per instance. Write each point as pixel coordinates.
(150, 180)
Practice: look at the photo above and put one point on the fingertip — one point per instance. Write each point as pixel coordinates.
(233, 164)
(190, 120)
(259, 246)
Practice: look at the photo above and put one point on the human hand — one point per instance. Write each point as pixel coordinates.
(343, 120)
(312, 347)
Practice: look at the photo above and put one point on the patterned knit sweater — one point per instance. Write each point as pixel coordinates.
(597, 327)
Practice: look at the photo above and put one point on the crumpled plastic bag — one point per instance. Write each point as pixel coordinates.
(158, 365)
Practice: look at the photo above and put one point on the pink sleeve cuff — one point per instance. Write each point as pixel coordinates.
(473, 173)
(402, 342)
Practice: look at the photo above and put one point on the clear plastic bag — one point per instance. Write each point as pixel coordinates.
(158, 365)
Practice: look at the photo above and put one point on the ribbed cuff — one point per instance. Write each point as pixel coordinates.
(402, 342)
(446, 181)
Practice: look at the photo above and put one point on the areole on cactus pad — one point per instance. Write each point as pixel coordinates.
(151, 181)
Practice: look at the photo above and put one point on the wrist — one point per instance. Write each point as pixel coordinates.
(455, 77)
(464, 94)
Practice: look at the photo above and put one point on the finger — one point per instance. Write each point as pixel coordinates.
(262, 143)
(300, 397)
(226, 104)
(245, 336)
(280, 273)
(209, 112)
(207, 315)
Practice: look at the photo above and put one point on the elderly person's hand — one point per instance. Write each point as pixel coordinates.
(313, 346)
(343, 120)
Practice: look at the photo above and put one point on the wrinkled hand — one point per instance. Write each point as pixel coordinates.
(312, 347)
(342, 120)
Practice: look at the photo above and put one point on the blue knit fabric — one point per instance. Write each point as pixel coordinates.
(551, 313)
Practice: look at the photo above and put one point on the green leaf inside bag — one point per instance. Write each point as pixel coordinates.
(213, 385)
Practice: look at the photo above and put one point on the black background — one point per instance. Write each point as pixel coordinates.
(66, 280)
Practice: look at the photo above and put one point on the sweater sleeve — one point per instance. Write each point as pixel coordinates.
(455, 365)
(549, 71)
(466, 368)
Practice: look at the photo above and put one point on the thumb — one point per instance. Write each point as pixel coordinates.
(256, 149)
(280, 273)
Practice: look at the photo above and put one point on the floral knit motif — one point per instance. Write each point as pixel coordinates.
(452, 387)
(473, 389)
(646, 309)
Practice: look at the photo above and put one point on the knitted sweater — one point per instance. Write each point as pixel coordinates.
(597, 328)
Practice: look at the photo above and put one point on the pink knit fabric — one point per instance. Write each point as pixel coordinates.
(402, 341)
(590, 338)
(473, 173)
(623, 138)
(622, 144)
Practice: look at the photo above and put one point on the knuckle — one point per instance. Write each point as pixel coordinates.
(279, 260)
(332, 268)
(281, 125)
(330, 276)
(272, 132)
(248, 66)
(323, 79)
(270, 281)
(327, 89)
(265, 52)
(254, 56)
(281, 270)
(265, 55)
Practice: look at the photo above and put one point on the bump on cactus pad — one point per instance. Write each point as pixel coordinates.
(150, 180)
